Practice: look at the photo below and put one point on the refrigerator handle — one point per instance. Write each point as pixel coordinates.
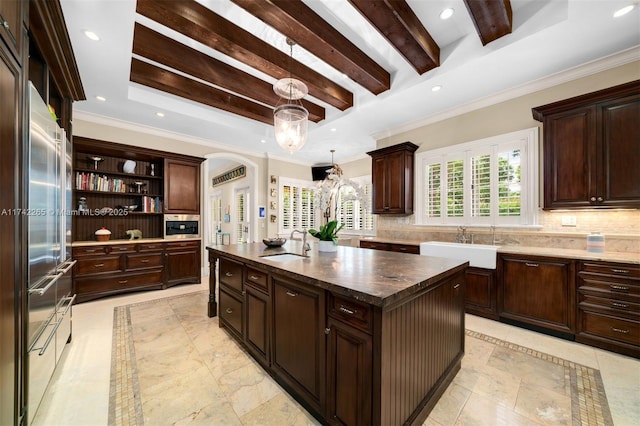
(68, 266)
(43, 290)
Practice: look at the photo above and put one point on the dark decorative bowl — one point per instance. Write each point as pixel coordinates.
(274, 242)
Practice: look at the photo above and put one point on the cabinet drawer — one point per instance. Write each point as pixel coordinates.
(610, 327)
(405, 248)
(89, 251)
(350, 311)
(617, 269)
(182, 245)
(140, 261)
(615, 306)
(118, 283)
(257, 278)
(97, 265)
(374, 245)
(150, 247)
(231, 311)
(609, 287)
(122, 248)
(231, 274)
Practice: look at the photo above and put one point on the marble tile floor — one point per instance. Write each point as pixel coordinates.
(227, 387)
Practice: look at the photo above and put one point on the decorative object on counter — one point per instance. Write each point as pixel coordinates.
(290, 120)
(233, 174)
(96, 160)
(595, 242)
(274, 242)
(328, 236)
(328, 188)
(129, 166)
(134, 234)
(103, 234)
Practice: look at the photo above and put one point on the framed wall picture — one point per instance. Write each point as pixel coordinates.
(262, 212)
(274, 179)
(274, 192)
(272, 205)
(273, 218)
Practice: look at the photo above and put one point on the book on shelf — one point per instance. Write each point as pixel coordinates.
(151, 204)
(86, 181)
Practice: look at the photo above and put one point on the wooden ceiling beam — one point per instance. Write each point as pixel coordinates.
(492, 18)
(203, 25)
(395, 20)
(301, 24)
(166, 51)
(158, 78)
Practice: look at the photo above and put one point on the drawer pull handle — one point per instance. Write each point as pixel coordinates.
(532, 265)
(144, 261)
(253, 277)
(403, 249)
(619, 305)
(456, 286)
(123, 248)
(151, 247)
(99, 265)
(123, 281)
(291, 293)
(90, 251)
(229, 311)
(620, 271)
(619, 287)
(347, 310)
(619, 330)
(228, 274)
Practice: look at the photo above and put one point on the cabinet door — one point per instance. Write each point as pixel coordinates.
(182, 263)
(480, 294)
(257, 310)
(299, 339)
(620, 180)
(11, 13)
(570, 158)
(378, 174)
(349, 372)
(182, 187)
(539, 291)
(10, 333)
(231, 313)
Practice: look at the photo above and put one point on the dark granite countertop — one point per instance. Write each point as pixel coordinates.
(376, 277)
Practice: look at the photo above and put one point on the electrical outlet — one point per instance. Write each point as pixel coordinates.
(568, 221)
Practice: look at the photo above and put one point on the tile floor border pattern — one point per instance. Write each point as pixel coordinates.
(589, 404)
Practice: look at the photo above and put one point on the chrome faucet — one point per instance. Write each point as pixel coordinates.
(305, 245)
(462, 235)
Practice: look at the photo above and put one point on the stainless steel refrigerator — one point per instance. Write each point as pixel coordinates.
(49, 230)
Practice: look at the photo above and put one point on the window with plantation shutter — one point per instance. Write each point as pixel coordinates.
(216, 216)
(355, 213)
(242, 216)
(490, 181)
(296, 205)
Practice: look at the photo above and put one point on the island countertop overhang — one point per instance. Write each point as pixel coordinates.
(379, 278)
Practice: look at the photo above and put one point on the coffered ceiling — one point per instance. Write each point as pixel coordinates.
(209, 66)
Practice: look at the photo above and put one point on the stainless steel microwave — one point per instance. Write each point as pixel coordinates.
(182, 226)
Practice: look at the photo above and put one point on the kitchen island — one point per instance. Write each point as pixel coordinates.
(357, 336)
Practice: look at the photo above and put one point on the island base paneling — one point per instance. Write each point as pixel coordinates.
(361, 363)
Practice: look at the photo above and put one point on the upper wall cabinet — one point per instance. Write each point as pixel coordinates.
(182, 186)
(592, 149)
(392, 179)
(11, 17)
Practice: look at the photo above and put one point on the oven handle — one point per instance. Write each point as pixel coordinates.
(43, 290)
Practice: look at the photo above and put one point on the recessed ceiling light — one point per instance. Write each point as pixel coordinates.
(333, 129)
(101, 98)
(446, 14)
(91, 35)
(263, 141)
(436, 88)
(160, 114)
(618, 13)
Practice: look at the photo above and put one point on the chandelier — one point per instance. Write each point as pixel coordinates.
(290, 119)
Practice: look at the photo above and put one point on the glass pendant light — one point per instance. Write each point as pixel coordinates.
(291, 118)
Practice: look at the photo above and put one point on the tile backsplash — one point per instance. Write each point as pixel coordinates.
(621, 229)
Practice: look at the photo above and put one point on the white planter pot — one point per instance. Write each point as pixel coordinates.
(327, 246)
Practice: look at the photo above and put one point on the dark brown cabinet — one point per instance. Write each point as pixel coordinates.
(231, 287)
(539, 291)
(258, 324)
(480, 296)
(182, 186)
(182, 262)
(110, 269)
(11, 304)
(11, 13)
(609, 306)
(592, 148)
(392, 179)
(299, 352)
(400, 248)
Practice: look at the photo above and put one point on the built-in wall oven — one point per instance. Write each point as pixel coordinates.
(181, 226)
